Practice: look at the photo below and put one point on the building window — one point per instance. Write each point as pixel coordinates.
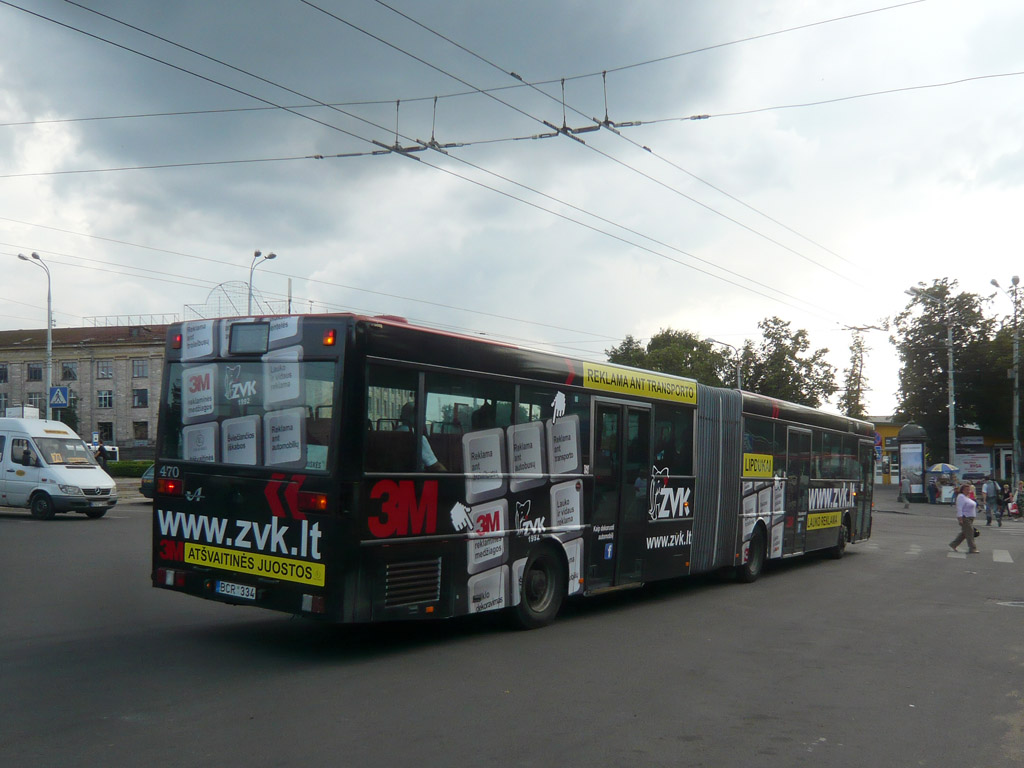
(140, 429)
(69, 371)
(106, 430)
(140, 369)
(35, 371)
(3, 373)
(140, 398)
(104, 369)
(3, 403)
(105, 398)
(36, 400)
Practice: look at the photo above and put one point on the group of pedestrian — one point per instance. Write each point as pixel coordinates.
(998, 501)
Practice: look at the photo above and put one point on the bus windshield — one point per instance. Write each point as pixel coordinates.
(268, 413)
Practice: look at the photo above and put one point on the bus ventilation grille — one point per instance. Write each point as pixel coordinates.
(413, 582)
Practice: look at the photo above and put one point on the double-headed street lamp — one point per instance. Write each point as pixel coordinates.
(739, 359)
(257, 259)
(1014, 281)
(917, 292)
(35, 259)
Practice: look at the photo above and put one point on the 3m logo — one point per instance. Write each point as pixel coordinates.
(401, 513)
(199, 383)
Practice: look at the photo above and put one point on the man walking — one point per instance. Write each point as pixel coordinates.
(991, 491)
(966, 510)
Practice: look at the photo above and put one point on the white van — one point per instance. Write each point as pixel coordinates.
(46, 467)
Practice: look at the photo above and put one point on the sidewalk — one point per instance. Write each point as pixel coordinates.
(128, 489)
(886, 501)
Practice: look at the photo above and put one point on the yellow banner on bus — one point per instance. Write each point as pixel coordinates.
(255, 563)
(757, 465)
(627, 382)
(822, 520)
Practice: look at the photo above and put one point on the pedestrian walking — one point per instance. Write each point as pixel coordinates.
(905, 490)
(1005, 501)
(101, 455)
(990, 490)
(966, 511)
(933, 490)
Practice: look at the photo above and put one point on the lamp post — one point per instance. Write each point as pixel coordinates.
(257, 259)
(739, 359)
(1015, 280)
(917, 292)
(35, 259)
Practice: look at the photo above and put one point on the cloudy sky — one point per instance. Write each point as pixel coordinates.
(851, 149)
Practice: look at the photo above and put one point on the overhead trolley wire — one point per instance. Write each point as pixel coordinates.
(398, 150)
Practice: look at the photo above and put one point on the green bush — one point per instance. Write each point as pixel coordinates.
(127, 468)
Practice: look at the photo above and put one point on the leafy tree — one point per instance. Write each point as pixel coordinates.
(778, 368)
(680, 353)
(921, 341)
(851, 402)
(782, 368)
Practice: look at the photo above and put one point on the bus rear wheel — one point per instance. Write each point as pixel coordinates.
(839, 549)
(750, 570)
(41, 507)
(543, 589)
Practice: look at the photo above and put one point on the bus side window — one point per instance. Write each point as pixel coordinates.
(673, 439)
(3, 439)
(389, 442)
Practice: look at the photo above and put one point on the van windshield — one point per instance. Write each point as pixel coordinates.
(63, 450)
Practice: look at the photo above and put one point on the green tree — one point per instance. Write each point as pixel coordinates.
(922, 330)
(783, 366)
(680, 353)
(851, 401)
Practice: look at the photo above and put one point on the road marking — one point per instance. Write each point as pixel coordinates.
(1001, 556)
(915, 549)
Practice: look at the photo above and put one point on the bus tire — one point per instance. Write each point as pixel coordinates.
(756, 552)
(543, 588)
(95, 514)
(837, 552)
(41, 506)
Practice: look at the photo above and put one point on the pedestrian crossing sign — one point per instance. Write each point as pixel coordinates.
(58, 397)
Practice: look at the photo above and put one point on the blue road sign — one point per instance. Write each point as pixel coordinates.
(58, 397)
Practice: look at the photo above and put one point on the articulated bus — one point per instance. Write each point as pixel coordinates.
(361, 469)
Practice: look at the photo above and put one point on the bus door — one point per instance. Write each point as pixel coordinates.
(798, 481)
(621, 459)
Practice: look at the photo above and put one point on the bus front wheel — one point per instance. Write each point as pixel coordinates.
(543, 588)
(751, 569)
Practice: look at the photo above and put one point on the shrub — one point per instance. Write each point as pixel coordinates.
(127, 468)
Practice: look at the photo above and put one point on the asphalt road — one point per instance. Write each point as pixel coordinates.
(903, 653)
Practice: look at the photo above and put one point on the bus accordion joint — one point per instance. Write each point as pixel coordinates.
(169, 486)
(312, 502)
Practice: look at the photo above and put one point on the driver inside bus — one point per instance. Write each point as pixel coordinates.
(406, 424)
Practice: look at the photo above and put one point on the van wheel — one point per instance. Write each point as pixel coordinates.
(750, 570)
(544, 587)
(41, 507)
(95, 514)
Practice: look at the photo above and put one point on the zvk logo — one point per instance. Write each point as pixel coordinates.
(666, 503)
(525, 525)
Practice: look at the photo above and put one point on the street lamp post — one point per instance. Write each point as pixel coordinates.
(739, 359)
(1015, 280)
(257, 259)
(949, 345)
(35, 259)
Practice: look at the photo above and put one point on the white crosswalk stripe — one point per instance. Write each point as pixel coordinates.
(1001, 556)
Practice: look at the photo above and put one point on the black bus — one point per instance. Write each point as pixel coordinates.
(361, 469)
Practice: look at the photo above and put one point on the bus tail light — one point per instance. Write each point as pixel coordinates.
(330, 337)
(312, 502)
(176, 341)
(314, 604)
(169, 486)
(169, 577)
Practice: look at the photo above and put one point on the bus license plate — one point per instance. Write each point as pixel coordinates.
(236, 590)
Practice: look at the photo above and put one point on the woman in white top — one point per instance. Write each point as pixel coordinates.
(966, 511)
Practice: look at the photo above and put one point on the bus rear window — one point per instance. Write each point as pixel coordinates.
(275, 413)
